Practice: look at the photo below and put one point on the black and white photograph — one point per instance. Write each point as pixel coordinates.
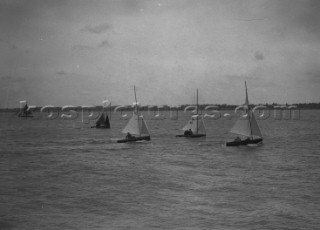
(159, 114)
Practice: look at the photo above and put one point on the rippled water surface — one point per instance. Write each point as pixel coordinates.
(62, 174)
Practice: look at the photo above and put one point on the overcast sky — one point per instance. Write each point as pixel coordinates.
(79, 52)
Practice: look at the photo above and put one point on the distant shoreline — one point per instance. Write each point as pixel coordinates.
(300, 106)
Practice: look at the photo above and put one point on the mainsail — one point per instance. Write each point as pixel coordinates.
(25, 112)
(247, 125)
(196, 124)
(103, 121)
(107, 122)
(136, 126)
(100, 120)
(136, 129)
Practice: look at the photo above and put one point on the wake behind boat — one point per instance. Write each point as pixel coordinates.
(247, 127)
(136, 129)
(195, 126)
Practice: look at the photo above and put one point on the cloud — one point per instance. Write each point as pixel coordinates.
(98, 29)
(258, 55)
(104, 43)
(82, 47)
(8, 78)
(308, 16)
(292, 16)
(312, 76)
(175, 46)
(62, 72)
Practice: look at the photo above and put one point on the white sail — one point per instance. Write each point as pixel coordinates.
(196, 123)
(132, 126)
(196, 128)
(201, 126)
(136, 126)
(247, 126)
(255, 130)
(143, 128)
(190, 125)
(242, 127)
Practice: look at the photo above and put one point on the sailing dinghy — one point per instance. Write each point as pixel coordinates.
(102, 122)
(195, 126)
(25, 112)
(136, 129)
(247, 127)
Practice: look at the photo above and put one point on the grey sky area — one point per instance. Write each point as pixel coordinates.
(79, 52)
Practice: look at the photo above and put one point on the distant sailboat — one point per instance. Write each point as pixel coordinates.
(195, 126)
(136, 129)
(159, 116)
(102, 122)
(247, 127)
(24, 112)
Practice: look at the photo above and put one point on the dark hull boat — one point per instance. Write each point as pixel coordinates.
(136, 129)
(246, 126)
(244, 142)
(134, 139)
(25, 112)
(192, 135)
(102, 122)
(195, 127)
(101, 127)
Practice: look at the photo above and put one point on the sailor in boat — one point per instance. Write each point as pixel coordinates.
(237, 139)
(129, 136)
(188, 132)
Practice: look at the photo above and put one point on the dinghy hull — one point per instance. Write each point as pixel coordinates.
(134, 139)
(191, 136)
(101, 127)
(244, 142)
(28, 115)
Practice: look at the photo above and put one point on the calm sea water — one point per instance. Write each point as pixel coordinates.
(62, 174)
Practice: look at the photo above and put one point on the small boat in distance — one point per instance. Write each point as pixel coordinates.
(102, 122)
(24, 112)
(246, 126)
(136, 129)
(195, 126)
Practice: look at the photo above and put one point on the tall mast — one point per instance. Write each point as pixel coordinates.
(248, 109)
(135, 95)
(137, 112)
(197, 111)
